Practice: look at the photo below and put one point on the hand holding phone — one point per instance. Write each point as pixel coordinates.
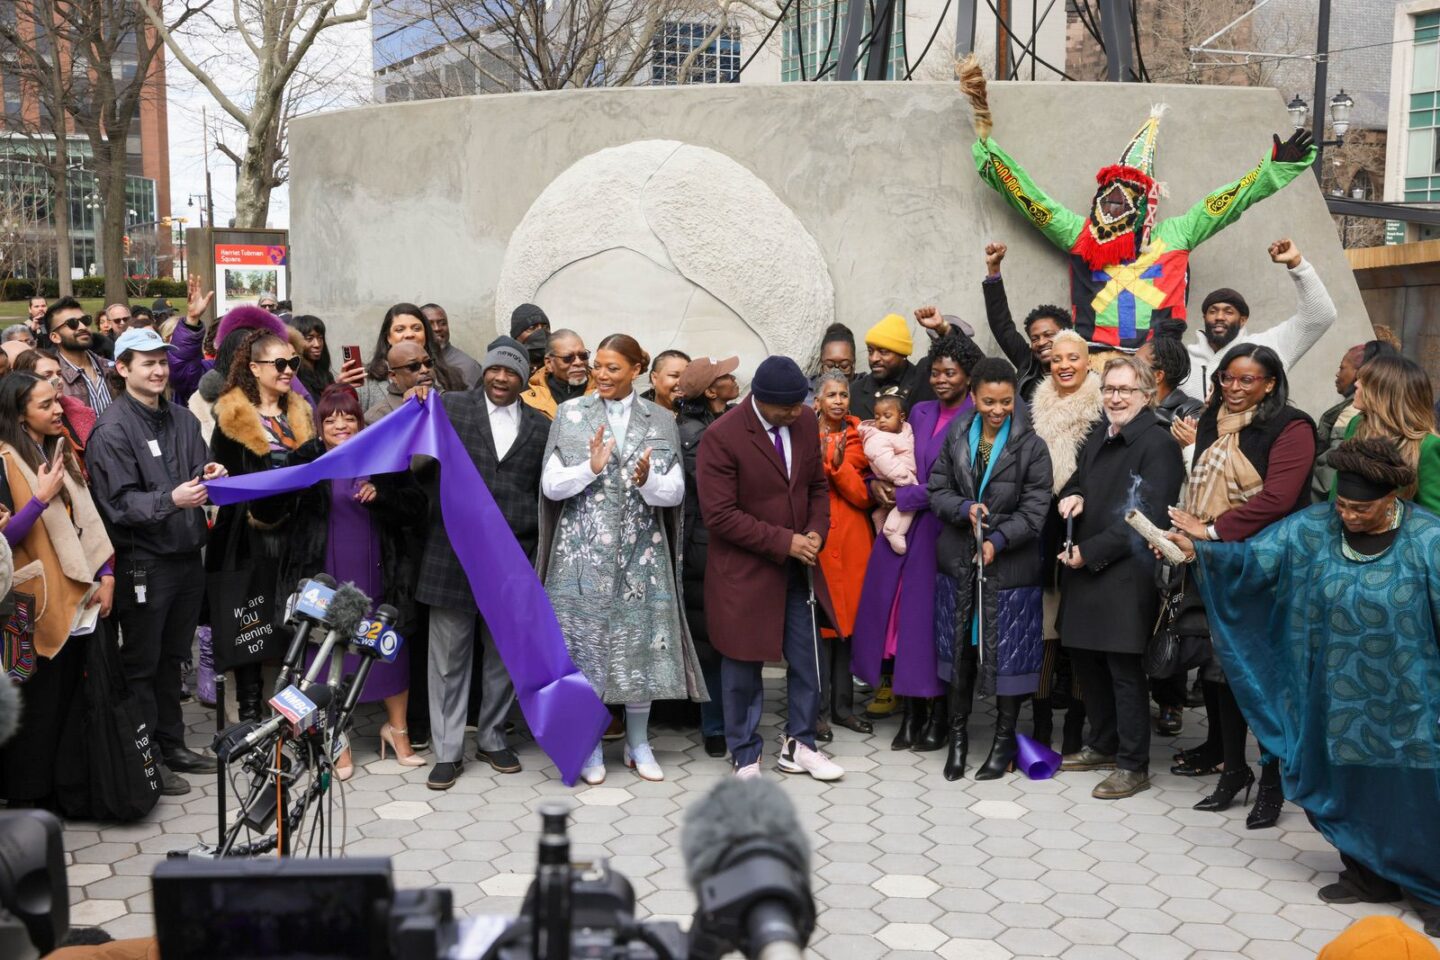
(351, 354)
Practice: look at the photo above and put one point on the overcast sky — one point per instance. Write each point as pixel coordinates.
(350, 57)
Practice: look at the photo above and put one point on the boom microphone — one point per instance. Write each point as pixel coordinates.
(748, 861)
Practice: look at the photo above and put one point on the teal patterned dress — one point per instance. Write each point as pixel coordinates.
(1336, 664)
(610, 562)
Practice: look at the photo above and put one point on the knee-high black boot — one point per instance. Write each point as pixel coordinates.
(961, 696)
(1044, 720)
(902, 739)
(249, 687)
(937, 726)
(1002, 754)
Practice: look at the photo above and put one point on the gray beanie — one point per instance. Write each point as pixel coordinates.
(507, 352)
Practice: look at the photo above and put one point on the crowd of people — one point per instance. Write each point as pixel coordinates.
(939, 532)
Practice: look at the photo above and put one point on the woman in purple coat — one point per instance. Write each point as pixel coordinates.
(896, 619)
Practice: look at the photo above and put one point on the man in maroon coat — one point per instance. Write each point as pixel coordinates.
(765, 501)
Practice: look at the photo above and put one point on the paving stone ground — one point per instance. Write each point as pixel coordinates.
(906, 864)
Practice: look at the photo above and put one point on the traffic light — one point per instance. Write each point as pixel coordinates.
(126, 241)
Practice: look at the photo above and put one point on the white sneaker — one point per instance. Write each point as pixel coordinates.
(593, 772)
(749, 772)
(795, 757)
(642, 761)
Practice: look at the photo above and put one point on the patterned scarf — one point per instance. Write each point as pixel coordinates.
(1223, 478)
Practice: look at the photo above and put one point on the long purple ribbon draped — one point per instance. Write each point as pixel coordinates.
(560, 706)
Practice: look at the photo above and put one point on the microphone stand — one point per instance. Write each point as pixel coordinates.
(979, 526)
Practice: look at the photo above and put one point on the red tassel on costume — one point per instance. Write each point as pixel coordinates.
(1098, 255)
(1120, 171)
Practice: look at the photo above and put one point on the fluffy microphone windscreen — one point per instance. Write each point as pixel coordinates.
(734, 812)
(347, 609)
(9, 708)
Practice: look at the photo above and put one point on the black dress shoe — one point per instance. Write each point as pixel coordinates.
(444, 775)
(419, 737)
(185, 760)
(503, 761)
(715, 746)
(172, 784)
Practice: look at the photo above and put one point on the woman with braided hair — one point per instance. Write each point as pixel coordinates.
(1327, 624)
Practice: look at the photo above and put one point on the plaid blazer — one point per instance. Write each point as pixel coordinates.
(514, 482)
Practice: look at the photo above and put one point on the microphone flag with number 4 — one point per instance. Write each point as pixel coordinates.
(560, 706)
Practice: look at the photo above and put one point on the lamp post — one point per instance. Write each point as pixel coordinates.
(1340, 106)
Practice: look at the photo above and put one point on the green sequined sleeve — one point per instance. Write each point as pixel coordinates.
(1060, 225)
(1225, 205)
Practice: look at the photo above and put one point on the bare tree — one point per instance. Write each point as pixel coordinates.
(43, 121)
(105, 53)
(517, 45)
(278, 36)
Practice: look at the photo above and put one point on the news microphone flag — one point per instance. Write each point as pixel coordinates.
(560, 706)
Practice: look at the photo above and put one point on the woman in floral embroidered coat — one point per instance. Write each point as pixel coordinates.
(609, 551)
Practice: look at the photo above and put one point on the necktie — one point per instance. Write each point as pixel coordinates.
(780, 449)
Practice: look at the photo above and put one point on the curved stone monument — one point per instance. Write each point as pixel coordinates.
(678, 245)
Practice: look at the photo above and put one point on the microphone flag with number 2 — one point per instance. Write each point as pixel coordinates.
(560, 706)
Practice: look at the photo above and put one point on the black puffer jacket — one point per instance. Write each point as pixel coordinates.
(1018, 498)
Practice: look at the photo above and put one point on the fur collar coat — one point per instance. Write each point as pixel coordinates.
(1064, 423)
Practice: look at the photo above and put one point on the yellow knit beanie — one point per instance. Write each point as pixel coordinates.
(1379, 938)
(892, 333)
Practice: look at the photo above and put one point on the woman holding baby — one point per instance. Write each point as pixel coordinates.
(896, 618)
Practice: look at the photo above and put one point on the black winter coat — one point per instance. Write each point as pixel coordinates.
(1013, 342)
(692, 420)
(1018, 498)
(1111, 602)
(911, 386)
(399, 508)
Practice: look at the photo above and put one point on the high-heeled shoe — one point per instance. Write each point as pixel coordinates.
(1269, 800)
(1196, 763)
(344, 767)
(387, 739)
(1231, 783)
(1005, 748)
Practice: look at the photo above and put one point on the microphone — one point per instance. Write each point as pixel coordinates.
(312, 607)
(347, 609)
(319, 697)
(748, 861)
(375, 638)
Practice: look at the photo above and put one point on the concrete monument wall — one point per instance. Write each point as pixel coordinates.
(763, 211)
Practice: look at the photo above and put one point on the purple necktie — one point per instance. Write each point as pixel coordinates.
(780, 449)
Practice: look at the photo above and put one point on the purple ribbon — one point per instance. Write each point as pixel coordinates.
(560, 706)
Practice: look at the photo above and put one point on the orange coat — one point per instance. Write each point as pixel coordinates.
(847, 548)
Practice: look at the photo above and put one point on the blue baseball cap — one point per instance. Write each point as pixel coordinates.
(141, 340)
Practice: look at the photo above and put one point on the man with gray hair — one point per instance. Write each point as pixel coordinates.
(565, 375)
(506, 439)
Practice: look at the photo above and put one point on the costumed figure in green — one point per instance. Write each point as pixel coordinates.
(1128, 269)
(1327, 624)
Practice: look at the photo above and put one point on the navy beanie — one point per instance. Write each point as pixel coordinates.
(779, 380)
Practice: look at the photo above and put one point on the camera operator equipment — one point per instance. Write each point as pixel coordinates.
(745, 855)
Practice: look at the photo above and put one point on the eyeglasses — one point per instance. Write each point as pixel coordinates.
(1246, 381)
(844, 366)
(75, 323)
(282, 364)
(1121, 392)
(414, 366)
(568, 358)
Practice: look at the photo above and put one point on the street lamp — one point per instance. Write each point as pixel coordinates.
(1340, 106)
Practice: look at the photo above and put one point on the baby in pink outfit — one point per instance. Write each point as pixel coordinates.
(890, 448)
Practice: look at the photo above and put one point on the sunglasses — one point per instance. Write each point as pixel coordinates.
(282, 364)
(269, 307)
(414, 366)
(75, 323)
(568, 358)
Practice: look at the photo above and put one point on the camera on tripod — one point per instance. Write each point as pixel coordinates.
(751, 883)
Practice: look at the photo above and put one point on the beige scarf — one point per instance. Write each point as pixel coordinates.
(1224, 477)
(59, 557)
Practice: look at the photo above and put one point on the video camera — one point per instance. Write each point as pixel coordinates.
(745, 855)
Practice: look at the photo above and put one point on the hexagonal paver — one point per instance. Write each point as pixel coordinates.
(902, 885)
(403, 810)
(910, 936)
